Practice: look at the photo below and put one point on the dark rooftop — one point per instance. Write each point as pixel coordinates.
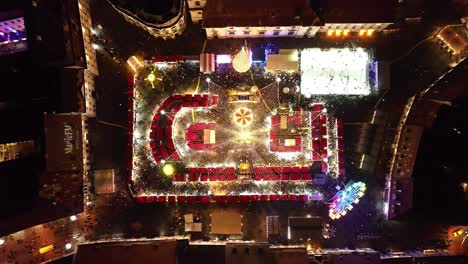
(358, 11)
(245, 13)
(141, 252)
(153, 12)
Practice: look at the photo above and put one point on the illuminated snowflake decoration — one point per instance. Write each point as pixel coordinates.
(243, 117)
(343, 201)
(241, 61)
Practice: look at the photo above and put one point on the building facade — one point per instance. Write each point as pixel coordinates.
(16, 150)
(196, 10)
(360, 16)
(66, 142)
(248, 19)
(400, 193)
(91, 70)
(167, 30)
(253, 19)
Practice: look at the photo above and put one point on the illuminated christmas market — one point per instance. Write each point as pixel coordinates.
(223, 138)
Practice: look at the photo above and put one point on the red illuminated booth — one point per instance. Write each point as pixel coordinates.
(201, 136)
(282, 174)
(231, 198)
(161, 143)
(279, 142)
(319, 132)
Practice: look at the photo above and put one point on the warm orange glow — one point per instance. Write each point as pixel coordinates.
(370, 32)
(46, 249)
(362, 32)
(135, 63)
(244, 166)
(457, 232)
(346, 32)
(338, 32)
(330, 32)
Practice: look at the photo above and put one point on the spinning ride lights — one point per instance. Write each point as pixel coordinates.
(243, 117)
(241, 61)
(343, 201)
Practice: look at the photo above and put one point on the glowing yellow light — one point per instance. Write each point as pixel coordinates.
(362, 32)
(244, 134)
(134, 63)
(330, 32)
(362, 161)
(241, 61)
(338, 32)
(151, 77)
(244, 166)
(294, 56)
(46, 249)
(346, 32)
(168, 169)
(245, 137)
(370, 32)
(457, 232)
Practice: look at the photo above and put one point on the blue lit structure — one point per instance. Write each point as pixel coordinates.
(343, 200)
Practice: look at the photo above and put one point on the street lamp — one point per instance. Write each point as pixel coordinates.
(68, 246)
(73, 218)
